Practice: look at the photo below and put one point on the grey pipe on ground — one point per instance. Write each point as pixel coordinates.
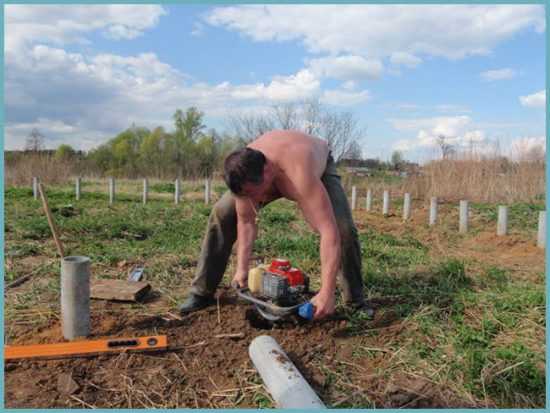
(282, 379)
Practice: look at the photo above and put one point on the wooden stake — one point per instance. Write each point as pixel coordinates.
(230, 335)
(50, 220)
(22, 279)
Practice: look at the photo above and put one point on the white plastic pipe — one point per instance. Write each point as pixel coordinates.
(369, 200)
(77, 188)
(75, 297)
(463, 221)
(502, 223)
(35, 187)
(541, 238)
(386, 203)
(207, 185)
(407, 207)
(177, 191)
(145, 190)
(433, 210)
(282, 379)
(111, 191)
(353, 197)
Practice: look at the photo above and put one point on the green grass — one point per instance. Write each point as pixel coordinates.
(521, 215)
(464, 322)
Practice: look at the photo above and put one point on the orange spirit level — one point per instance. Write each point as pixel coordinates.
(84, 348)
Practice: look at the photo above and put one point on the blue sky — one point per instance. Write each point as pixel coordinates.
(81, 74)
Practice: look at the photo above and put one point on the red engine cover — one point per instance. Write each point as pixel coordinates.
(280, 264)
(282, 268)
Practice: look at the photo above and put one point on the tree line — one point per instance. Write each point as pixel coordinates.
(193, 150)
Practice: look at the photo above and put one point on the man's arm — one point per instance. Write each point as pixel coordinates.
(315, 204)
(246, 234)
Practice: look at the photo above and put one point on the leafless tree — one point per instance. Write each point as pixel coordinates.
(249, 127)
(339, 129)
(446, 148)
(312, 114)
(286, 116)
(35, 141)
(354, 151)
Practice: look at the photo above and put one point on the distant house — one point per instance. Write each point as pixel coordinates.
(359, 171)
(361, 167)
(355, 166)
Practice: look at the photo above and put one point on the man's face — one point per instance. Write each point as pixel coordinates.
(260, 193)
(256, 192)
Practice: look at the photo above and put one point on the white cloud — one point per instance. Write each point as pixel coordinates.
(458, 131)
(528, 147)
(347, 67)
(498, 74)
(100, 95)
(55, 132)
(536, 100)
(103, 94)
(446, 125)
(404, 145)
(302, 85)
(63, 24)
(474, 136)
(378, 31)
(349, 85)
(344, 98)
(405, 59)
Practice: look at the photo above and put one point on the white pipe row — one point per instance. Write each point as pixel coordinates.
(502, 221)
(145, 197)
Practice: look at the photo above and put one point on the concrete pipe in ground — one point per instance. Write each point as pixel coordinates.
(541, 235)
(433, 211)
(75, 297)
(386, 203)
(369, 200)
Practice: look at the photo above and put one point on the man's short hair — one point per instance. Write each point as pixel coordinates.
(243, 166)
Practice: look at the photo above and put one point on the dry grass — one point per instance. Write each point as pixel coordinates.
(19, 170)
(476, 178)
(479, 180)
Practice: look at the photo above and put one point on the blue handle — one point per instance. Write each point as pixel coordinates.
(306, 311)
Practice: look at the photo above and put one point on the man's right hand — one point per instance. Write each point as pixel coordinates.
(240, 279)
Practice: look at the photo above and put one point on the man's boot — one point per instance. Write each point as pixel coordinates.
(362, 307)
(196, 302)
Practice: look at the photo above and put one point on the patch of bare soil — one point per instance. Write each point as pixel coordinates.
(513, 251)
(201, 370)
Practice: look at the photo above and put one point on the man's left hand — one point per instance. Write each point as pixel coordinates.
(324, 304)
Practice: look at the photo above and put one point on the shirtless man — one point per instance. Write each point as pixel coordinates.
(281, 164)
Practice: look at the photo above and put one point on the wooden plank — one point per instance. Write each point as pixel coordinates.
(118, 290)
(84, 348)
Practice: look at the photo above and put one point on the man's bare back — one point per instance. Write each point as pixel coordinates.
(295, 154)
(279, 164)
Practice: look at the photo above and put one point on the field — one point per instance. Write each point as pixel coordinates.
(460, 319)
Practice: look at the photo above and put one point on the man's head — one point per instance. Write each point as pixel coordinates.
(244, 168)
